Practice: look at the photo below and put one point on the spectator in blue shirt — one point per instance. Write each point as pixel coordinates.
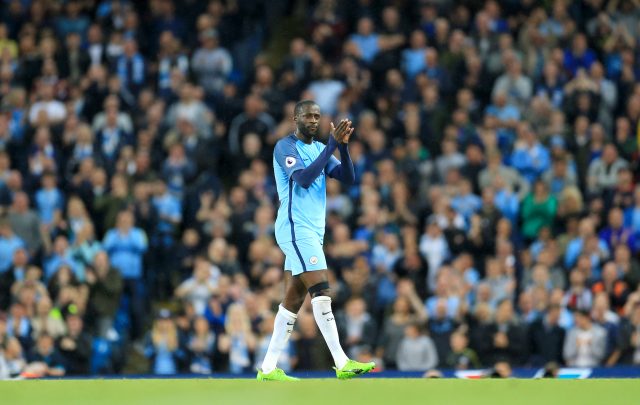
(551, 84)
(506, 200)
(616, 233)
(111, 138)
(177, 170)
(163, 346)
(632, 214)
(163, 239)
(49, 200)
(74, 21)
(530, 157)
(579, 55)
(131, 67)
(508, 116)
(465, 202)
(61, 256)
(9, 243)
(126, 246)
(366, 40)
(413, 58)
(434, 71)
(576, 246)
(443, 298)
(167, 20)
(168, 207)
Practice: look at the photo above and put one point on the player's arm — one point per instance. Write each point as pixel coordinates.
(342, 169)
(288, 158)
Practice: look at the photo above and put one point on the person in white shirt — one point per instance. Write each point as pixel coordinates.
(198, 288)
(53, 110)
(434, 248)
(586, 343)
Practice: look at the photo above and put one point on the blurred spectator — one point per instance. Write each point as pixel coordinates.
(49, 200)
(201, 347)
(45, 360)
(603, 171)
(504, 339)
(14, 359)
(579, 55)
(211, 62)
(125, 245)
(416, 351)
(131, 67)
(514, 84)
(434, 248)
(326, 89)
(25, 223)
(578, 297)
(547, 337)
(538, 210)
(253, 120)
(586, 343)
(238, 341)
(530, 157)
(630, 336)
(105, 286)
(413, 59)
(9, 243)
(48, 110)
(162, 345)
(199, 287)
(47, 320)
(406, 309)
(61, 256)
(357, 326)
(75, 347)
(461, 356)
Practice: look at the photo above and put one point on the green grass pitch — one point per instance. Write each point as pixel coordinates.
(321, 391)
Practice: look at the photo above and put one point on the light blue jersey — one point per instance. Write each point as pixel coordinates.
(302, 212)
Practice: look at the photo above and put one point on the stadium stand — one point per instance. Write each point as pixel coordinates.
(495, 216)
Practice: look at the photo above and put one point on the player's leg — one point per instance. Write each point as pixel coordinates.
(315, 279)
(295, 293)
(318, 286)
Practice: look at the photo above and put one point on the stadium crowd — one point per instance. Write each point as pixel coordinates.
(495, 216)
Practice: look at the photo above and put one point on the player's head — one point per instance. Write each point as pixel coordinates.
(306, 114)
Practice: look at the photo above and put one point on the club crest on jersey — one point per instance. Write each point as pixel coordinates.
(290, 161)
(313, 260)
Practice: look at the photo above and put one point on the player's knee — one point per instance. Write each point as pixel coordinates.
(319, 289)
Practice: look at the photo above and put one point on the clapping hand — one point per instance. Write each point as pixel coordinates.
(343, 131)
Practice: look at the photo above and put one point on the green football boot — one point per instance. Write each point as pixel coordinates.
(276, 375)
(353, 369)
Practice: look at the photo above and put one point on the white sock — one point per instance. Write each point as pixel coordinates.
(327, 324)
(282, 327)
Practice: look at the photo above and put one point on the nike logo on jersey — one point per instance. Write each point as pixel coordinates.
(324, 313)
